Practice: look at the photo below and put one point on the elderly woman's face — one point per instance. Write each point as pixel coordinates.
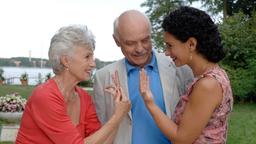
(81, 63)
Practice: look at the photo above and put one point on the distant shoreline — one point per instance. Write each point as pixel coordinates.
(26, 62)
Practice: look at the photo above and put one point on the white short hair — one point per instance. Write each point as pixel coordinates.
(66, 40)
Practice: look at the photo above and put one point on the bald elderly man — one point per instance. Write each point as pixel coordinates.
(132, 33)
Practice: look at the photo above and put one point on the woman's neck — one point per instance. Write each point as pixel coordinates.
(66, 87)
(200, 65)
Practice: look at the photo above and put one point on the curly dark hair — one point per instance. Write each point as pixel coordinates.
(187, 22)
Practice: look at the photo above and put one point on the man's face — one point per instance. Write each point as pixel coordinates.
(136, 45)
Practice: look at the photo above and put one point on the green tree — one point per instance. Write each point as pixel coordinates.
(246, 6)
(216, 6)
(228, 7)
(157, 10)
(238, 34)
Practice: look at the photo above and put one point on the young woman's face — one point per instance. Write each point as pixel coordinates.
(176, 49)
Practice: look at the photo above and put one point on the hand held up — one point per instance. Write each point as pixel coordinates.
(122, 104)
(144, 87)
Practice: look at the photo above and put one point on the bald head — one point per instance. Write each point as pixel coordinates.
(132, 33)
(129, 20)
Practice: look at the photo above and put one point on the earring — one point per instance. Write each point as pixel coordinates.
(190, 56)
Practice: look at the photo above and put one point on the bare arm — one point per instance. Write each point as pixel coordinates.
(106, 133)
(111, 138)
(206, 95)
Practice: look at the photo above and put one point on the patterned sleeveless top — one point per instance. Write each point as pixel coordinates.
(215, 131)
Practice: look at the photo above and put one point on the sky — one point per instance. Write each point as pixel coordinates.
(28, 25)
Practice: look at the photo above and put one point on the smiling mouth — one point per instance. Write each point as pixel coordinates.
(89, 71)
(138, 56)
(174, 58)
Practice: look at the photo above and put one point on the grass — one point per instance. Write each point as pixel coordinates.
(24, 91)
(242, 123)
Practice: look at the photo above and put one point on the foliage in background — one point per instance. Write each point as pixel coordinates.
(246, 6)
(228, 7)
(156, 12)
(238, 35)
(239, 39)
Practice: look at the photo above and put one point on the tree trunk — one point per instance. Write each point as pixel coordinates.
(225, 9)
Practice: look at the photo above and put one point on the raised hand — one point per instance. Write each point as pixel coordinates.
(112, 89)
(144, 87)
(122, 104)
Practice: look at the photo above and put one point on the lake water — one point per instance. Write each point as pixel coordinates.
(33, 74)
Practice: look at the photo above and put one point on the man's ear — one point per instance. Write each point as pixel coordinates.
(192, 43)
(116, 40)
(64, 60)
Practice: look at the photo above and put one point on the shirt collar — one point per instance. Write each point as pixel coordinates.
(152, 65)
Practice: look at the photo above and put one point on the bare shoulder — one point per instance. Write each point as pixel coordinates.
(208, 83)
(208, 89)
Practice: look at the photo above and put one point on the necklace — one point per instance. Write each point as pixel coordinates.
(207, 67)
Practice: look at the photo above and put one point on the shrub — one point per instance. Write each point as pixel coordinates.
(238, 34)
(12, 103)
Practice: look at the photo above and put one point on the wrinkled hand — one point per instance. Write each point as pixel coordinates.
(122, 104)
(112, 89)
(144, 87)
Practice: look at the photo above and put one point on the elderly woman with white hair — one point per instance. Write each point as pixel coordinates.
(60, 112)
